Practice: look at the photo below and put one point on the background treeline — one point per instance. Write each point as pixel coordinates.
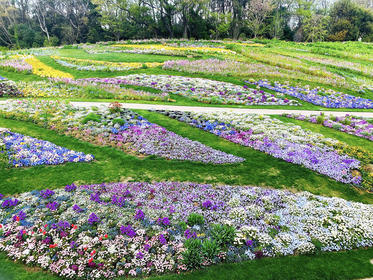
(34, 23)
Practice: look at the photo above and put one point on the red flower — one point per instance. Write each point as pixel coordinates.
(93, 252)
(53, 246)
(90, 260)
(17, 218)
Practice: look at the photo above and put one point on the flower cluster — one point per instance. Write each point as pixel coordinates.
(89, 89)
(23, 151)
(121, 128)
(8, 89)
(358, 126)
(222, 67)
(98, 65)
(285, 141)
(106, 240)
(43, 70)
(199, 89)
(16, 63)
(317, 96)
(166, 49)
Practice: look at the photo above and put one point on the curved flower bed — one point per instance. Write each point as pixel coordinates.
(137, 229)
(97, 65)
(8, 89)
(24, 151)
(118, 128)
(43, 70)
(202, 90)
(353, 125)
(320, 97)
(118, 91)
(288, 142)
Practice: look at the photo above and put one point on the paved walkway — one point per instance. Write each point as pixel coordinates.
(221, 109)
(218, 109)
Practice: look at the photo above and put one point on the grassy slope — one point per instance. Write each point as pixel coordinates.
(182, 101)
(341, 265)
(113, 165)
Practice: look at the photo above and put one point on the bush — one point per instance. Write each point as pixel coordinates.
(223, 234)
(118, 121)
(195, 219)
(91, 117)
(192, 257)
(210, 249)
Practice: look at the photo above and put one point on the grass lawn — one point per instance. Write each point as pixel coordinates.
(333, 266)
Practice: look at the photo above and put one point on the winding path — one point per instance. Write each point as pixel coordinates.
(219, 109)
(222, 109)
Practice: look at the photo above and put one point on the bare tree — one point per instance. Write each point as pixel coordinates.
(257, 12)
(41, 12)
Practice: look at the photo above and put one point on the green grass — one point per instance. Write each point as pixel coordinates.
(112, 165)
(332, 133)
(117, 57)
(333, 266)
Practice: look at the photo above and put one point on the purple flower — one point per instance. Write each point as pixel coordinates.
(46, 193)
(249, 243)
(139, 215)
(73, 244)
(147, 247)
(8, 203)
(163, 221)
(162, 239)
(1, 196)
(53, 206)
(93, 219)
(139, 255)
(207, 204)
(188, 234)
(128, 230)
(77, 209)
(20, 217)
(70, 188)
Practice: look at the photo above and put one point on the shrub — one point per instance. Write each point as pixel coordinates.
(223, 234)
(91, 117)
(192, 257)
(195, 219)
(210, 249)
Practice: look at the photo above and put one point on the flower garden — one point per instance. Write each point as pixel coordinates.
(105, 173)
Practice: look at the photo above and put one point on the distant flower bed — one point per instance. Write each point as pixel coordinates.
(163, 49)
(9, 89)
(353, 125)
(223, 67)
(118, 91)
(3, 78)
(288, 142)
(43, 70)
(116, 127)
(97, 65)
(16, 63)
(198, 89)
(320, 97)
(139, 229)
(23, 151)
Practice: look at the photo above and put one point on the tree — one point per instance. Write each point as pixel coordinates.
(257, 12)
(315, 28)
(351, 20)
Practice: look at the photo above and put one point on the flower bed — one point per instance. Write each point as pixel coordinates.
(353, 125)
(16, 63)
(202, 90)
(43, 70)
(137, 229)
(118, 91)
(320, 97)
(97, 65)
(288, 142)
(115, 127)
(24, 151)
(8, 89)
(222, 67)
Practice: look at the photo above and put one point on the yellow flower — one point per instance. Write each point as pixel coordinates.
(42, 70)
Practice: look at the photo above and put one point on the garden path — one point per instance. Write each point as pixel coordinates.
(220, 109)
